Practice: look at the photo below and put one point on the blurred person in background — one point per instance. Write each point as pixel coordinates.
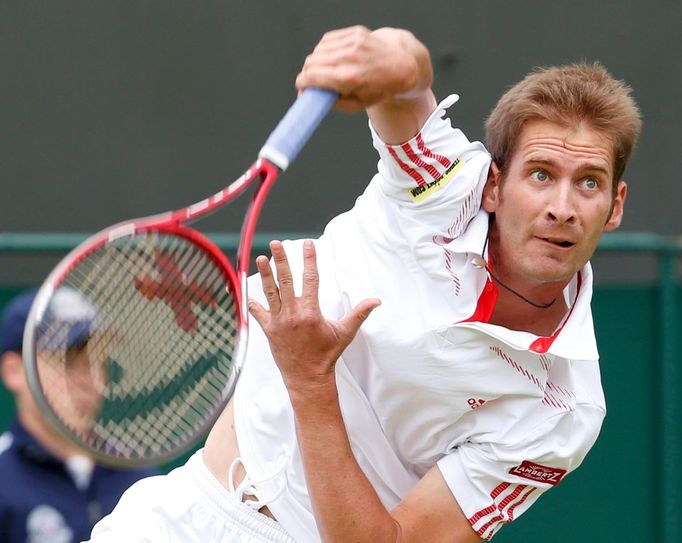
(50, 492)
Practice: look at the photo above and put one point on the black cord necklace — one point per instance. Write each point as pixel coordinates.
(518, 294)
(539, 306)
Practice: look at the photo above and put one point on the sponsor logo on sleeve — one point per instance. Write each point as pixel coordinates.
(421, 192)
(538, 473)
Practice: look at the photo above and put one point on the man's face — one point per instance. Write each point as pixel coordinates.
(553, 202)
(76, 383)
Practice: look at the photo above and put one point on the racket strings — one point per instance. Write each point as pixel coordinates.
(165, 339)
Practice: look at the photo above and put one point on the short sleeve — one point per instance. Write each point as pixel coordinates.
(437, 177)
(496, 483)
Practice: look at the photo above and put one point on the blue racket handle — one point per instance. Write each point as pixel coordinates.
(297, 125)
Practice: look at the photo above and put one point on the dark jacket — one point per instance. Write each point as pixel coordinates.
(39, 500)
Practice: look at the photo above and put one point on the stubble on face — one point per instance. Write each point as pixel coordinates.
(551, 204)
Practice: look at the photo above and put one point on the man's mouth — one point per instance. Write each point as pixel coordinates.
(563, 243)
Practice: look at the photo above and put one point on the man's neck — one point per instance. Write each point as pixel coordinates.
(535, 308)
(516, 314)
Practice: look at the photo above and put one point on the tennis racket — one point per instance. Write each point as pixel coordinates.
(136, 339)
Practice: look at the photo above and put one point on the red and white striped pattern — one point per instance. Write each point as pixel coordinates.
(467, 211)
(506, 498)
(518, 367)
(555, 396)
(421, 164)
(465, 214)
(425, 166)
(451, 272)
(559, 397)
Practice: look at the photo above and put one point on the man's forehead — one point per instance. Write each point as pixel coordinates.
(593, 164)
(542, 140)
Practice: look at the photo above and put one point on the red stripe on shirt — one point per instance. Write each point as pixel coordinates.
(511, 497)
(453, 274)
(414, 174)
(433, 172)
(501, 506)
(482, 513)
(486, 511)
(510, 511)
(486, 526)
(429, 153)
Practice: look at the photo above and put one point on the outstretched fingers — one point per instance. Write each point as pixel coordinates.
(353, 320)
(311, 277)
(268, 284)
(281, 297)
(278, 287)
(258, 312)
(285, 279)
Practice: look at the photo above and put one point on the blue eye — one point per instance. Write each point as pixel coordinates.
(539, 175)
(590, 183)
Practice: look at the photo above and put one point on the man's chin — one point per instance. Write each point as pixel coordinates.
(553, 272)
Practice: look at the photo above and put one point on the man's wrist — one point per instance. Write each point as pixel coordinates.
(317, 390)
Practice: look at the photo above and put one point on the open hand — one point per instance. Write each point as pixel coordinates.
(304, 344)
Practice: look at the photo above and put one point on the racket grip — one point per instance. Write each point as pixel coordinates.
(297, 125)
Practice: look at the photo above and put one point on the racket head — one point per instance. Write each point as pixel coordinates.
(134, 343)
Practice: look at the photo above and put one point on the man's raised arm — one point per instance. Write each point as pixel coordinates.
(387, 71)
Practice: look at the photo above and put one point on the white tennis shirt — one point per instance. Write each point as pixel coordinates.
(503, 414)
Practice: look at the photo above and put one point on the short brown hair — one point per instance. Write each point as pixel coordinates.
(567, 95)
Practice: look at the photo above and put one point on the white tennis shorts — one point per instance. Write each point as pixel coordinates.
(186, 506)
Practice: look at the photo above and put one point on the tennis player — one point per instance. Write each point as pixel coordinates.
(427, 368)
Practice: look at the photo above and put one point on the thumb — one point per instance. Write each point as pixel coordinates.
(351, 323)
(258, 312)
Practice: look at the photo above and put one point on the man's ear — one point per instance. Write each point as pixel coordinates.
(491, 191)
(617, 207)
(12, 371)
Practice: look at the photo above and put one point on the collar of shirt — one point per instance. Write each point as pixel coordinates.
(574, 338)
(29, 447)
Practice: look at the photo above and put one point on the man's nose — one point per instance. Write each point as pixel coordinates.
(561, 206)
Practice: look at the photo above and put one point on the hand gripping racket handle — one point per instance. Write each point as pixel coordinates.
(297, 125)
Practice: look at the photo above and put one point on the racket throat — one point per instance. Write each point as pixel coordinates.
(269, 173)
